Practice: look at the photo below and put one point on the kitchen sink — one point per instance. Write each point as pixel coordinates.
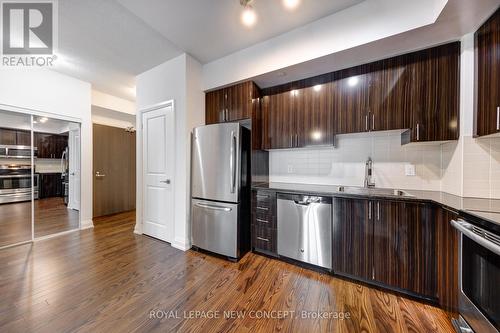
(373, 191)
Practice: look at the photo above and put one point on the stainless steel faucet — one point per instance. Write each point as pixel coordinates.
(369, 173)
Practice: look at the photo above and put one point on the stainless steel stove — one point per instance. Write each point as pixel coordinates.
(15, 183)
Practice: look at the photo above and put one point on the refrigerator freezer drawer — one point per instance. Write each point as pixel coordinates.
(215, 227)
(305, 229)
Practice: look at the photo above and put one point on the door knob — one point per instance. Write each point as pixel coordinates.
(97, 174)
(167, 181)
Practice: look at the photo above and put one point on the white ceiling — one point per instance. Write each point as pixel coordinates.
(211, 29)
(109, 42)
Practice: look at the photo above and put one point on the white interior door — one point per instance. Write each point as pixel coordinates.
(158, 169)
(74, 169)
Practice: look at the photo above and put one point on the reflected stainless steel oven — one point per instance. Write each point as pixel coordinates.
(15, 183)
(479, 279)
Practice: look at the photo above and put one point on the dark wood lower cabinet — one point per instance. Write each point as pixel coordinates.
(50, 185)
(352, 238)
(264, 233)
(403, 246)
(447, 259)
(386, 242)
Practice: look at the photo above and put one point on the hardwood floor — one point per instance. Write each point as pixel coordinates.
(51, 217)
(108, 279)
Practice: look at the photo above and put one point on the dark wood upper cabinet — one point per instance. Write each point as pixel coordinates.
(350, 94)
(434, 77)
(23, 138)
(15, 137)
(7, 136)
(352, 238)
(487, 49)
(278, 111)
(50, 145)
(403, 246)
(313, 108)
(388, 94)
(231, 103)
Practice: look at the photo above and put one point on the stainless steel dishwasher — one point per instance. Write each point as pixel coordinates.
(305, 228)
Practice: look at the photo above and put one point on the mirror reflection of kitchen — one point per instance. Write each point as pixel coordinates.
(57, 167)
(15, 178)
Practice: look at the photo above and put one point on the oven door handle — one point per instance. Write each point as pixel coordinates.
(466, 229)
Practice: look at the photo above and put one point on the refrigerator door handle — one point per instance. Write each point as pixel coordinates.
(232, 165)
(213, 207)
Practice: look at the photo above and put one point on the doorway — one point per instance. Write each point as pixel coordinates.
(114, 170)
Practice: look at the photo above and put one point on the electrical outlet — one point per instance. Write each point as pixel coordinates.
(289, 168)
(410, 169)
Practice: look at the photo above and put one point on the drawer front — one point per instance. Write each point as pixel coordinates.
(264, 201)
(264, 239)
(263, 209)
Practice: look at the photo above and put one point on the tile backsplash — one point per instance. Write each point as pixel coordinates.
(437, 166)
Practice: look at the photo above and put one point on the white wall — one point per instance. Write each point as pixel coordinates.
(468, 167)
(180, 80)
(55, 95)
(113, 118)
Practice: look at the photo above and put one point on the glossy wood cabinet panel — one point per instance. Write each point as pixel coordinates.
(279, 115)
(350, 93)
(50, 185)
(487, 50)
(231, 104)
(50, 145)
(447, 238)
(352, 238)
(8, 136)
(313, 108)
(215, 106)
(388, 99)
(403, 246)
(264, 232)
(434, 93)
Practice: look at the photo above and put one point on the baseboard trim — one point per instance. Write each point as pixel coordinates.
(181, 244)
(86, 224)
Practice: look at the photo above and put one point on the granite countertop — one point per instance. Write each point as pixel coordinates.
(478, 208)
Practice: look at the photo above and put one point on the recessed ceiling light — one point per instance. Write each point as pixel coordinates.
(294, 92)
(248, 16)
(291, 4)
(44, 119)
(317, 87)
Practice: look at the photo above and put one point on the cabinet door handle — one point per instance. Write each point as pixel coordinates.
(263, 239)
(373, 122)
(498, 118)
(366, 123)
(418, 131)
(369, 210)
(378, 211)
(296, 140)
(262, 221)
(262, 208)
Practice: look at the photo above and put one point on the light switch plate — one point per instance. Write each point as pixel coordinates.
(289, 168)
(410, 169)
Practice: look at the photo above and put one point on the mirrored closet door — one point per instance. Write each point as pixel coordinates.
(57, 167)
(39, 177)
(18, 184)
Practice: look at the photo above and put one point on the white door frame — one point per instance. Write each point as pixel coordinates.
(139, 163)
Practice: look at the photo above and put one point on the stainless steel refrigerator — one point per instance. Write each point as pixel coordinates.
(220, 181)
